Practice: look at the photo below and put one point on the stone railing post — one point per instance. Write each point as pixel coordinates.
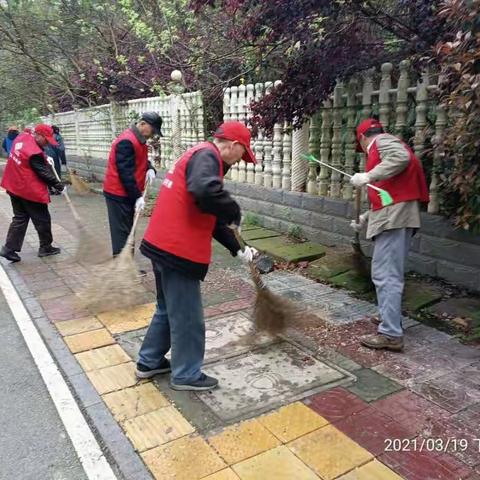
(277, 152)
(267, 170)
(325, 144)
(299, 164)
(312, 186)
(438, 154)
(176, 90)
(242, 117)
(250, 97)
(259, 142)
(421, 115)
(402, 98)
(347, 190)
(234, 117)
(384, 96)
(287, 158)
(335, 178)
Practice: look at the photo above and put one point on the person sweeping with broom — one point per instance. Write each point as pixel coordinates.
(26, 179)
(392, 166)
(128, 169)
(191, 208)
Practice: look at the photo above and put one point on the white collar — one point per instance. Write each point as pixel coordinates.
(370, 145)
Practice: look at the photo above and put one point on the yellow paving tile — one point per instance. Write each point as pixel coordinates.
(102, 357)
(227, 474)
(119, 321)
(279, 464)
(371, 471)
(329, 452)
(242, 441)
(292, 421)
(79, 325)
(156, 428)
(88, 340)
(109, 379)
(188, 458)
(135, 401)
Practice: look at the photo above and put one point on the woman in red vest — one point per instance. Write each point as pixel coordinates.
(26, 179)
(392, 166)
(127, 170)
(192, 207)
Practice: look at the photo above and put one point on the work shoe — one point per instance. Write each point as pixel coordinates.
(203, 383)
(382, 342)
(48, 251)
(9, 255)
(145, 372)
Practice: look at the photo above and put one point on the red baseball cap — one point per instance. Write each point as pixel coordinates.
(46, 131)
(363, 127)
(237, 132)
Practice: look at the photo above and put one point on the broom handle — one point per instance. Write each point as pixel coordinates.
(239, 238)
(341, 172)
(131, 236)
(358, 204)
(75, 214)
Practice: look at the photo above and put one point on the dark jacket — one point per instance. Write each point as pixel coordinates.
(8, 141)
(206, 187)
(44, 171)
(125, 161)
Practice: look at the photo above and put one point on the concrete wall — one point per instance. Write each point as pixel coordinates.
(438, 249)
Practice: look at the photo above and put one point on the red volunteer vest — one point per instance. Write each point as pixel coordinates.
(112, 183)
(408, 185)
(177, 225)
(19, 178)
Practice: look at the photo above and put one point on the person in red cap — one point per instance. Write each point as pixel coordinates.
(392, 166)
(191, 208)
(26, 179)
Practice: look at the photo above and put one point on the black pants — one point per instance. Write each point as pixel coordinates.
(120, 218)
(23, 211)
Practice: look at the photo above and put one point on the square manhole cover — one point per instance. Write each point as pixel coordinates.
(266, 378)
(227, 336)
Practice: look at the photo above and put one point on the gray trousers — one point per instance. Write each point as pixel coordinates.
(388, 274)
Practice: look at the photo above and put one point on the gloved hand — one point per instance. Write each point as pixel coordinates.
(360, 179)
(362, 221)
(50, 161)
(248, 254)
(64, 190)
(150, 176)
(139, 204)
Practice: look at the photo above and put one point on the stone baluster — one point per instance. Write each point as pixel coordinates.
(242, 117)
(299, 165)
(277, 152)
(287, 158)
(325, 144)
(402, 98)
(177, 90)
(267, 142)
(249, 99)
(234, 117)
(258, 145)
(384, 96)
(350, 143)
(227, 115)
(313, 169)
(438, 154)
(200, 119)
(421, 115)
(335, 177)
(367, 93)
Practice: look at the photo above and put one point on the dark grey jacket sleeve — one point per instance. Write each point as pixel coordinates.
(125, 161)
(224, 235)
(206, 186)
(44, 172)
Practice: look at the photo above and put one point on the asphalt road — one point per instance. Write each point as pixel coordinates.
(33, 442)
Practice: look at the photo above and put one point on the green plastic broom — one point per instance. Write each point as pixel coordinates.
(385, 197)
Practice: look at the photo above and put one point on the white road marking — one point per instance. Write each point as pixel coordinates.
(91, 457)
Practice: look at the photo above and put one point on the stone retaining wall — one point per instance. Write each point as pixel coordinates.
(438, 249)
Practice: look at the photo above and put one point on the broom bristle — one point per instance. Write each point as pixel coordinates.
(271, 313)
(115, 284)
(78, 184)
(89, 250)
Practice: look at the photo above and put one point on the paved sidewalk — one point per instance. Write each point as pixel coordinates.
(310, 404)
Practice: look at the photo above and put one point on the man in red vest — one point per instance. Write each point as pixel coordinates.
(26, 179)
(127, 170)
(192, 207)
(392, 166)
